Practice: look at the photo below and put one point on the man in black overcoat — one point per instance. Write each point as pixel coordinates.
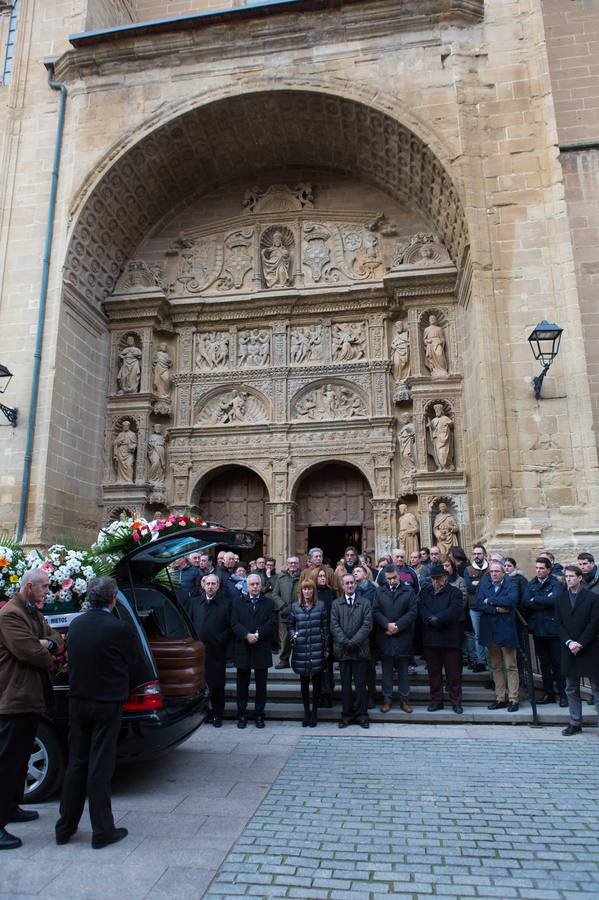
(577, 623)
(254, 625)
(210, 612)
(441, 610)
(394, 614)
(103, 654)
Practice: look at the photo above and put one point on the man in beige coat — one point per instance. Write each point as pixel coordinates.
(26, 646)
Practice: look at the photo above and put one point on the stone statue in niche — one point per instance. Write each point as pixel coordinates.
(212, 350)
(161, 367)
(409, 530)
(445, 529)
(406, 440)
(435, 358)
(124, 448)
(254, 347)
(129, 374)
(156, 456)
(440, 429)
(276, 257)
(400, 352)
(306, 344)
(349, 341)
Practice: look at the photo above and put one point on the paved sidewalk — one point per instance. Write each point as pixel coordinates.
(235, 808)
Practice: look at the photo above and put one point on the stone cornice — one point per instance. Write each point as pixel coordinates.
(209, 36)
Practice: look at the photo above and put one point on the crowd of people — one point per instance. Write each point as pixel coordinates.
(457, 612)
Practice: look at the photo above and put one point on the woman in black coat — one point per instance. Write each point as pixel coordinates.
(328, 588)
(308, 633)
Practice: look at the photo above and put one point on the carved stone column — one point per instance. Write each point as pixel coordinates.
(327, 342)
(376, 337)
(282, 529)
(180, 472)
(279, 343)
(385, 525)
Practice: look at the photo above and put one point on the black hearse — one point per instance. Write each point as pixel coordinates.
(169, 700)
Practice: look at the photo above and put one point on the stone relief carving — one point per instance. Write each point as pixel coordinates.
(306, 344)
(200, 263)
(138, 275)
(156, 456)
(445, 529)
(231, 408)
(212, 349)
(331, 401)
(317, 252)
(400, 352)
(360, 251)
(129, 374)
(124, 450)
(409, 530)
(254, 348)
(238, 259)
(423, 249)
(435, 357)
(349, 341)
(161, 368)
(279, 198)
(276, 246)
(440, 439)
(382, 224)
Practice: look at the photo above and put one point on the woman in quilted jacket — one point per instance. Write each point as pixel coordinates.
(309, 635)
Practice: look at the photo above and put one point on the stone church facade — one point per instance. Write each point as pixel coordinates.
(297, 253)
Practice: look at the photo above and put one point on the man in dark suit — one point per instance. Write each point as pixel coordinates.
(102, 656)
(441, 610)
(394, 616)
(351, 624)
(253, 622)
(577, 623)
(210, 612)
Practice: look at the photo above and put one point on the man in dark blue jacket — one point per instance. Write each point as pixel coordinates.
(497, 601)
(539, 609)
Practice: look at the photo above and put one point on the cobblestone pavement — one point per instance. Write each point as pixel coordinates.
(416, 810)
(453, 818)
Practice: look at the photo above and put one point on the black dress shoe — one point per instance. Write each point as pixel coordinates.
(513, 706)
(64, 837)
(458, 709)
(548, 698)
(434, 707)
(242, 722)
(24, 815)
(306, 722)
(571, 729)
(563, 700)
(363, 723)
(343, 723)
(498, 704)
(259, 721)
(217, 721)
(8, 841)
(117, 835)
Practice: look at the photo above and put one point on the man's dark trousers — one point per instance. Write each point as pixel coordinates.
(17, 737)
(355, 669)
(451, 659)
(549, 652)
(243, 690)
(93, 732)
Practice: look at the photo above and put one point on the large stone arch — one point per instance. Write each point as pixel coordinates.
(249, 133)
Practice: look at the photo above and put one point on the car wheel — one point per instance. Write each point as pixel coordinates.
(46, 766)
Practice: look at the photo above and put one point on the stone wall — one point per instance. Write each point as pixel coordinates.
(110, 13)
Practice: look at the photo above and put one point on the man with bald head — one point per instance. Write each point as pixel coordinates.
(407, 575)
(253, 622)
(210, 613)
(26, 646)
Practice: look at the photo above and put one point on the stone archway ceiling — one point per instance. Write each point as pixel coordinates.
(244, 136)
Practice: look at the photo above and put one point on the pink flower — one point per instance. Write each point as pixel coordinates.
(168, 525)
(67, 583)
(47, 567)
(135, 537)
(159, 526)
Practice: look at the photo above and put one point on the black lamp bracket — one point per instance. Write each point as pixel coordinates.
(10, 413)
(538, 381)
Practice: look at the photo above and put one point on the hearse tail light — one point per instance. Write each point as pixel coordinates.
(145, 697)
